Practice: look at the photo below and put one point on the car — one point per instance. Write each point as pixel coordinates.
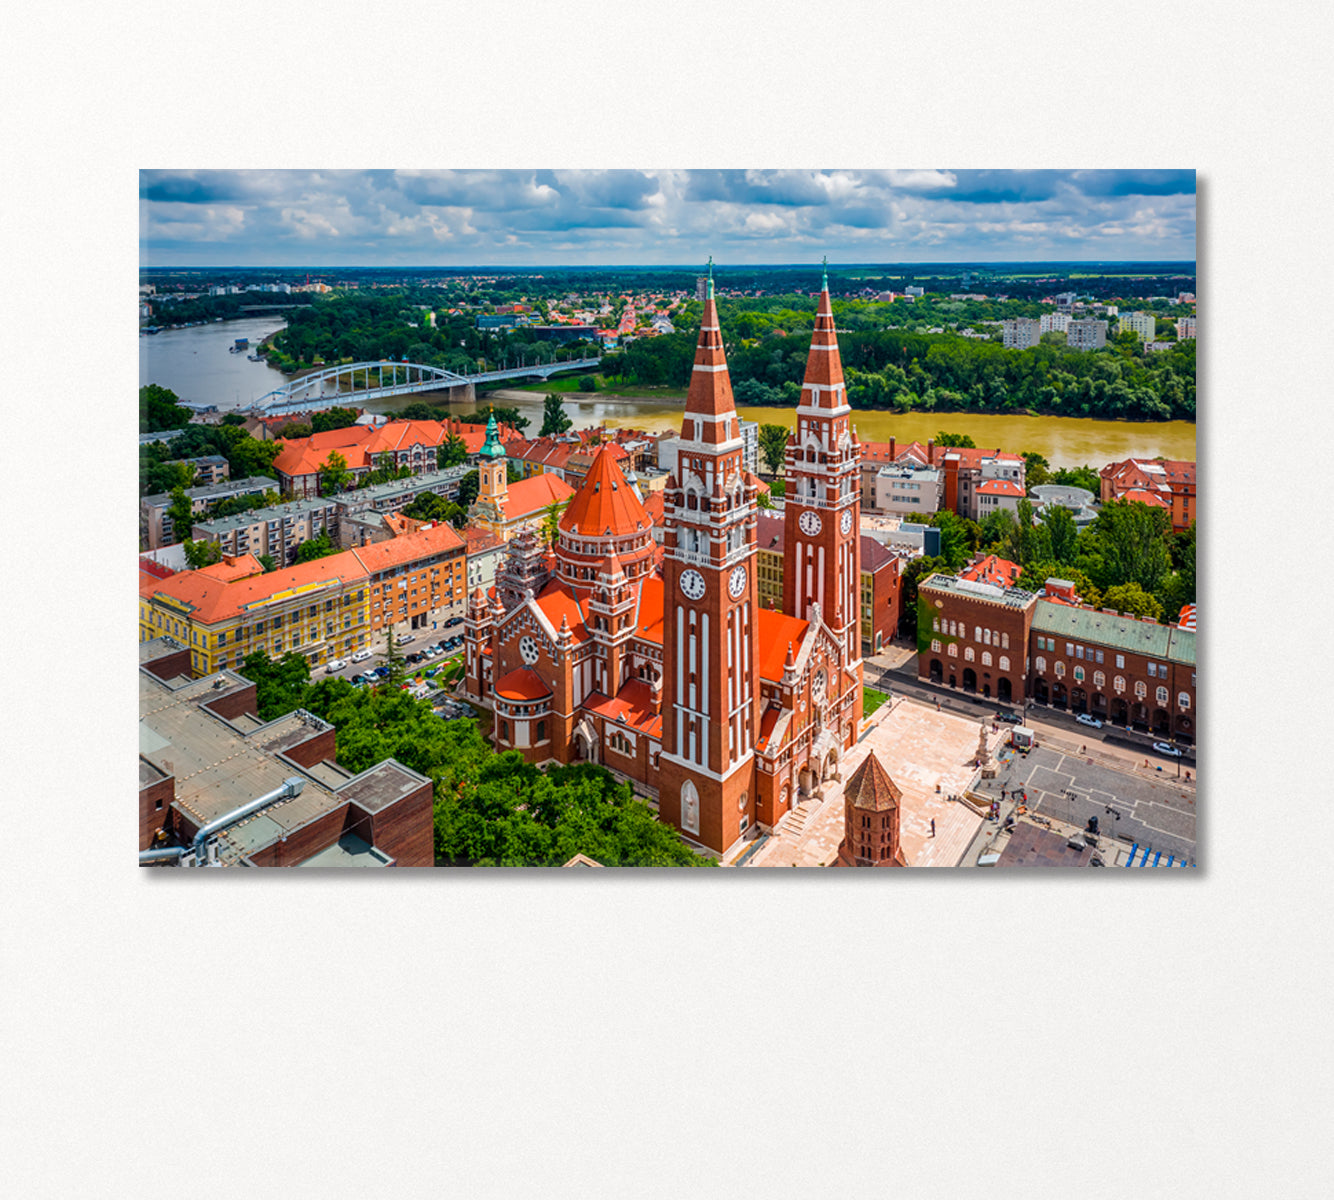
(335, 664)
(1091, 722)
(1009, 718)
(453, 621)
(1165, 748)
(361, 655)
(431, 673)
(405, 638)
(413, 658)
(381, 672)
(432, 652)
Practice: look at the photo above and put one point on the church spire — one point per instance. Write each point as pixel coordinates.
(710, 395)
(822, 390)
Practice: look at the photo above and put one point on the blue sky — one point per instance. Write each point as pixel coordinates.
(513, 217)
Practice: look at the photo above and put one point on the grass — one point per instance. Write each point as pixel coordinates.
(871, 700)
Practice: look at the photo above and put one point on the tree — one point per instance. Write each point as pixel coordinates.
(428, 506)
(279, 686)
(1023, 544)
(555, 420)
(468, 488)
(453, 453)
(997, 527)
(763, 500)
(158, 477)
(1128, 540)
(551, 524)
(180, 512)
(1133, 599)
(333, 474)
(295, 430)
(201, 553)
(159, 410)
(1080, 477)
(233, 418)
(1062, 533)
(961, 440)
(911, 575)
(1036, 471)
(316, 547)
(333, 418)
(266, 561)
(587, 383)
(773, 446)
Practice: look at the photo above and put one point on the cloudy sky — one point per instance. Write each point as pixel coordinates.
(515, 218)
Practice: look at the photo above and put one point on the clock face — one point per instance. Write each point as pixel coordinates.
(528, 650)
(692, 584)
(809, 524)
(737, 583)
(846, 523)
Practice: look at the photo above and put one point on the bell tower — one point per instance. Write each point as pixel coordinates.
(710, 701)
(822, 534)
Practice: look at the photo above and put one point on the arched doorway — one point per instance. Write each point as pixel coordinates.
(1162, 723)
(936, 670)
(1120, 712)
(831, 765)
(1058, 695)
(1098, 705)
(969, 679)
(1003, 689)
(1078, 700)
(952, 681)
(1139, 716)
(1040, 691)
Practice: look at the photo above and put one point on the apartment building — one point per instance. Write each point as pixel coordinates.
(418, 580)
(1185, 328)
(233, 608)
(156, 528)
(1057, 322)
(277, 531)
(908, 490)
(1143, 324)
(1020, 333)
(1086, 334)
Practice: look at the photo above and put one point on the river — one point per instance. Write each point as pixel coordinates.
(197, 365)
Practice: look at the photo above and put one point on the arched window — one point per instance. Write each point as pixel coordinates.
(968, 654)
(1162, 696)
(1099, 679)
(1079, 674)
(1060, 669)
(1141, 690)
(1005, 641)
(977, 633)
(986, 636)
(1004, 663)
(1183, 699)
(1119, 684)
(935, 645)
(935, 624)
(952, 650)
(986, 658)
(1039, 664)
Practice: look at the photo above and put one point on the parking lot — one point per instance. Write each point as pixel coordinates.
(423, 654)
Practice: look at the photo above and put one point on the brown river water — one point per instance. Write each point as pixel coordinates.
(1063, 441)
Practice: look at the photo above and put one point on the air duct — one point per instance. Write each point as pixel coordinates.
(291, 786)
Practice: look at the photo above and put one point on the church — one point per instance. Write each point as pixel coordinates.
(658, 661)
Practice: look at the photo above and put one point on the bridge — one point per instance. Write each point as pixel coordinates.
(355, 383)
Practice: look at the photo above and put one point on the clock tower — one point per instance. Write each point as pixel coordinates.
(710, 697)
(822, 535)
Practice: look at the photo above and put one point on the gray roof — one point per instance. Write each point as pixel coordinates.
(217, 491)
(1012, 597)
(1115, 632)
(260, 516)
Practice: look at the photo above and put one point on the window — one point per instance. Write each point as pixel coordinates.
(1099, 679)
(1120, 662)
(1119, 684)
(1060, 669)
(1079, 651)
(977, 633)
(1004, 663)
(1141, 689)
(1040, 664)
(1183, 699)
(1153, 670)
(1099, 656)
(986, 658)
(953, 650)
(968, 654)
(1069, 650)
(935, 646)
(541, 731)
(1005, 641)
(1079, 674)
(1161, 695)
(935, 624)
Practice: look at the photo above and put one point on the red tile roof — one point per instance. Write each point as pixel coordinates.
(633, 706)
(871, 787)
(408, 548)
(523, 684)
(559, 604)
(605, 505)
(775, 632)
(650, 609)
(1000, 571)
(530, 496)
(1000, 487)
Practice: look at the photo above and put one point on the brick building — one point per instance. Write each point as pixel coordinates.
(871, 808)
(1167, 482)
(205, 757)
(973, 636)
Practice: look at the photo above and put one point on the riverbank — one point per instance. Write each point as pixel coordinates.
(663, 398)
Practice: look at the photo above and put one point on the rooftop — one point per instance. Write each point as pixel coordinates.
(1012, 597)
(1137, 635)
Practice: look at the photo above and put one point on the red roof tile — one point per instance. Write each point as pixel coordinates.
(523, 684)
(775, 631)
(871, 787)
(605, 504)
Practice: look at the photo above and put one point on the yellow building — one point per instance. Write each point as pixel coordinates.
(226, 611)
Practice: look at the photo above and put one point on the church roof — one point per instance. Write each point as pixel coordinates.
(871, 787)
(650, 609)
(824, 368)
(632, 706)
(529, 496)
(775, 630)
(523, 684)
(710, 392)
(605, 504)
(559, 603)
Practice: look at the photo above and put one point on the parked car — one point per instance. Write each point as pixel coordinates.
(1165, 748)
(405, 638)
(1091, 722)
(361, 655)
(453, 621)
(413, 658)
(334, 664)
(1009, 718)
(382, 672)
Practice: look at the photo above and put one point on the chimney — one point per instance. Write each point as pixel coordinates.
(891, 448)
(931, 452)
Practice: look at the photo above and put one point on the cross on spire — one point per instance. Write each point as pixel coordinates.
(710, 276)
(824, 287)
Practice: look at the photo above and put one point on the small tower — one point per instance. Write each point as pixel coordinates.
(871, 819)
(492, 480)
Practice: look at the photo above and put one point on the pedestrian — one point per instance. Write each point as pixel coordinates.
(1082, 749)
(933, 826)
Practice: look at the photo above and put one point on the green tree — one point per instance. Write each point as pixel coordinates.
(1080, 477)
(961, 440)
(773, 446)
(997, 528)
(551, 524)
(1061, 531)
(295, 431)
(181, 513)
(587, 383)
(233, 418)
(916, 570)
(468, 487)
(1131, 598)
(333, 474)
(266, 561)
(1036, 469)
(159, 410)
(201, 553)
(555, 420)
(279, 686)
(333, 418)
(1128, 540)
(453, 453)
(316, 547)
(763, 500)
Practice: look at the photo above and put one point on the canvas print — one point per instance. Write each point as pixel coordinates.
(720, 519)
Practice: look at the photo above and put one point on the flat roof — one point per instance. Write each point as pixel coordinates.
(348, 851)
(260, 516)
(1012, 596)
(214, 491)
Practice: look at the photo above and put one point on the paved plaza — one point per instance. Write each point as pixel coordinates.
(1156, 810)
(920, 748)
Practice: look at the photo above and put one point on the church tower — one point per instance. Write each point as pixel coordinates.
(493, 476)
(822, 534)
(710, 701)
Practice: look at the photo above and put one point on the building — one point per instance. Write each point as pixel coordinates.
(1087, 334)
(484, 554)
(994, 495)
(1021, 332)
(881, 594)
(908, 490)
(871, 807)
(1075, 500)
(1142, 324)
(1185, 328)
(233, 608)
(1057, 322)
(505, 508)
(1158, 482)
(206, 759)
(989, 568)
(659, 662)
(156, 528)
(417, 579)
(276, 531)
(955, 647)
(209, 469)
